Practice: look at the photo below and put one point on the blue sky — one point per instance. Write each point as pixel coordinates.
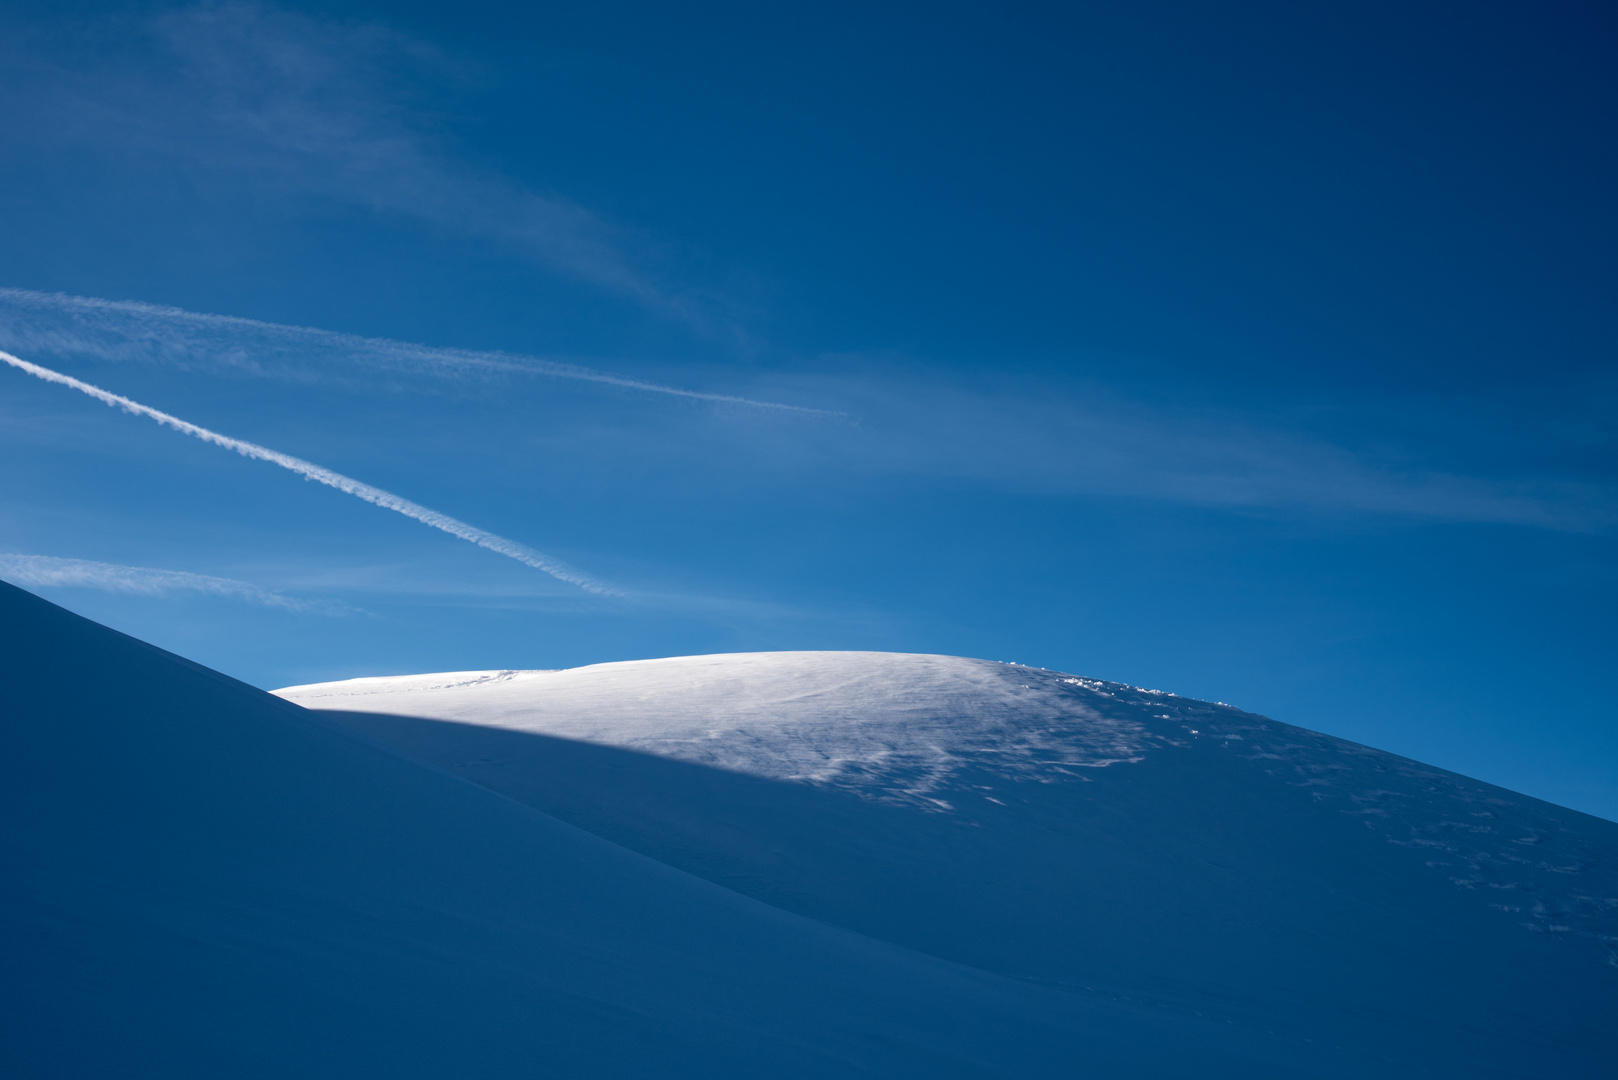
(1254, 352)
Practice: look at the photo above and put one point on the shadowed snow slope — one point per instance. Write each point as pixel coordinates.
(202, 880)
(1088, 838)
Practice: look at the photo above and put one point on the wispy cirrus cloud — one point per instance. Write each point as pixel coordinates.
(294, 104)
(48, 571)
(334, 109)
(128, 330)
(1016, 432)
(1062, 437)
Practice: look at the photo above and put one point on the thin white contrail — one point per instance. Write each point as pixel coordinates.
(509, 548)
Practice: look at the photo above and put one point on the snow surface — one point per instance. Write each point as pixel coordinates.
(198, 879)
(1074, 834)
(882, 723)
(906, 866)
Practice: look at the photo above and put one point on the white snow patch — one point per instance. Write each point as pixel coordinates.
(888, 725)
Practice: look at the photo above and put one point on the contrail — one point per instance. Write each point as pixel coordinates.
(135, 327)
(310, 471)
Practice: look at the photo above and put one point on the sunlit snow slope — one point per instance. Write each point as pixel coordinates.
(1086, 837)
(198, 879)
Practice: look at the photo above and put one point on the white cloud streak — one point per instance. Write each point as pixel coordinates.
(1062, 437)
(295, 105)
(46, 571)
(310, 471)
(123, 330)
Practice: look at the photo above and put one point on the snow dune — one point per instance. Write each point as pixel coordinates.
(202, 880)
(782, 865)
(1089, 838)
(884, 723)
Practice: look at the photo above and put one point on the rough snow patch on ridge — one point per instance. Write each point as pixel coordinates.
(885, 725)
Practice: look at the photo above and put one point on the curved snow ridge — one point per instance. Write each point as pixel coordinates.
(922, 730)
(894, 726)
(313, 694)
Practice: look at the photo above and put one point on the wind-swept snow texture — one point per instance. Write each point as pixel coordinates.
(198, 879)
(1091, 839)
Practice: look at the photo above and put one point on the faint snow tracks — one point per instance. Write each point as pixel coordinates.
(1518, 852)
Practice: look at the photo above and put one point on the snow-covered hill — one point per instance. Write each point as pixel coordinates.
(1091, 838)
(198, 879)
(895, 726)
(811, 865)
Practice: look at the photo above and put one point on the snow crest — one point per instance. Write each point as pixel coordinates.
(925, 731)
(891, 726)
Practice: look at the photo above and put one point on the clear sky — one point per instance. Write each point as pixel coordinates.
(1260, 352)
